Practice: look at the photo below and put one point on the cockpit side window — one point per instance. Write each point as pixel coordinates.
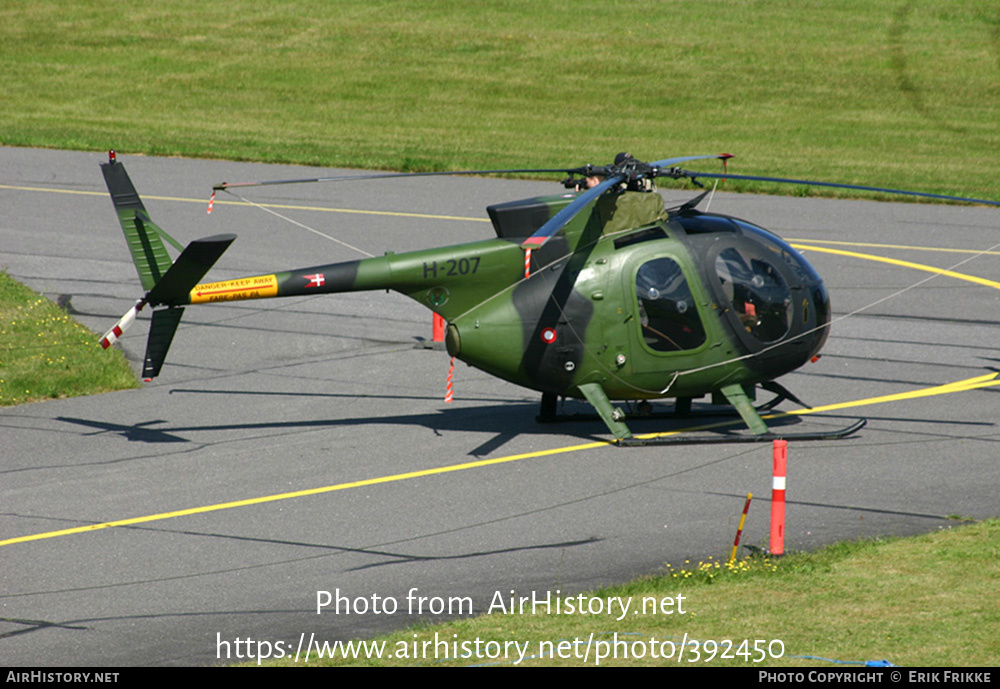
(757, 292)
(667, 313)
(780, 247)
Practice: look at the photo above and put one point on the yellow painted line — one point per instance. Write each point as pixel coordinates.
(443, 217)
(958, 386)
(904, 264)
(984, 381)
(300, 493)
(396, 214)
(691, 429)
(283, 206)
(902, 247)
(988, 380)
(54, 191)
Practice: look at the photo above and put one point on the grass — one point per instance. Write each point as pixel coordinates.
(878, 92)
(45, 355)
(923, 601)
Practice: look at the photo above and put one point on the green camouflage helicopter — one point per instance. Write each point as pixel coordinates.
(600, 294)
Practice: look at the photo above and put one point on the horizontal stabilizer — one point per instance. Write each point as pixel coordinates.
(188, 270)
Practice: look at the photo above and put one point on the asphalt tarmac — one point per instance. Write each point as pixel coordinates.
(303, 445)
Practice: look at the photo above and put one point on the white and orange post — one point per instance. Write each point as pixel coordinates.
(780, 452)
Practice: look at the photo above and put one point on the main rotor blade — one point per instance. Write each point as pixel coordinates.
(782, 180)
(390, 175)
(670, 162)
(556, 222)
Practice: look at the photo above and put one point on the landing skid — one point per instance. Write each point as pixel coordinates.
(735, 394)
(682, 410)
(676, 414)
(682, 439)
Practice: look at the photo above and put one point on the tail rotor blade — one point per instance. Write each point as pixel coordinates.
(122, 325)
(167, 283)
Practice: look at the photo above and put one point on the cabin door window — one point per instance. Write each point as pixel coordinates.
(668, 317)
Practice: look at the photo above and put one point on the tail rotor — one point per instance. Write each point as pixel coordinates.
(167, 283)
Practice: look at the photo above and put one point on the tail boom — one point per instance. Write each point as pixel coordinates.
(350, 276)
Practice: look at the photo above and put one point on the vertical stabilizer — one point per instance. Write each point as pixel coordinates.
(145, 239)
(167, 283)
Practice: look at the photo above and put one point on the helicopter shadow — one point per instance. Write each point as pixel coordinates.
(503, 422)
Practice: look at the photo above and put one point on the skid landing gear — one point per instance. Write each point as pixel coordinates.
(735, 395)
(757, 438)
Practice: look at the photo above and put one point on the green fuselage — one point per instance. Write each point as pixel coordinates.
(625, 297)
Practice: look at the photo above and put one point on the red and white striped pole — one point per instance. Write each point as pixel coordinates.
(449, 394)
(527, 263)
(780, 452)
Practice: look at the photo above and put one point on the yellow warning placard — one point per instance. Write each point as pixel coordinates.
(259, 287)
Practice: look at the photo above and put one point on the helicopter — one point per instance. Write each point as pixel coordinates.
(600, 293)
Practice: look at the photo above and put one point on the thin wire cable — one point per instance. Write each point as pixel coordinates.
(296, 222)
(676, 374)
(711, 196)
(839, 318)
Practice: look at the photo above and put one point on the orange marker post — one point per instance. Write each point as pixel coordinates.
(780, 452)
(438, 328)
